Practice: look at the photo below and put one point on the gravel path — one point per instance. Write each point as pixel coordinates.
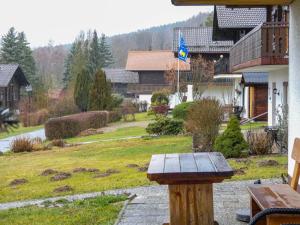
(5, 143)
(116, 126)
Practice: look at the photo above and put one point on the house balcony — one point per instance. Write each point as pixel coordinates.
(146, 88)
(222, 66)
(264, 49)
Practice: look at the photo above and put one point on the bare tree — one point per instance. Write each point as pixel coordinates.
(202, 71)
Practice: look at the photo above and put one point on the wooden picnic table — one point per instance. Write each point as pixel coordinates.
(190, 178)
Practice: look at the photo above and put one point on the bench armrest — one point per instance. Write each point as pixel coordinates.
(267, 212)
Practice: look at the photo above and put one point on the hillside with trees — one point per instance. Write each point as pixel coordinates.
(50, 63)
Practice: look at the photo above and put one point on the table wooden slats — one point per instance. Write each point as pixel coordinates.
(189, 167)
(190, 177)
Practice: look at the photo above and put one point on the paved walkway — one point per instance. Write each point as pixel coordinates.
(150, 207)
(5, 143)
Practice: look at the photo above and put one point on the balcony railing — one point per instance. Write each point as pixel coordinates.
(222, 66)
(267, 44)
(146, 88)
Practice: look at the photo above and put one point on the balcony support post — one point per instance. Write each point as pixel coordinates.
(294, 79)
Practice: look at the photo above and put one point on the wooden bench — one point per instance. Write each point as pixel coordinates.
(278, 196)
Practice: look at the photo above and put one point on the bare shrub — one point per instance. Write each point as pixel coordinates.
(128, 109)
(260, 143)
(58, 143)
(21, 144)
(203, 121)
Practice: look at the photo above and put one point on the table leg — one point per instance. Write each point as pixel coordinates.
(191, 204)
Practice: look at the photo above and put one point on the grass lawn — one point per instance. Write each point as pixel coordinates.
(19, 130)
(120, 133)
(115, 155)
(254, 125)
(101, 210)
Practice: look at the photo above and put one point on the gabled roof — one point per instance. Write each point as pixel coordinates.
(121, 76)
(255, 78)
(7, 71)
(240, 17)
(199, 40)
(154, 61)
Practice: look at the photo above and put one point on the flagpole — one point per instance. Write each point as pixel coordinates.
(178, 68)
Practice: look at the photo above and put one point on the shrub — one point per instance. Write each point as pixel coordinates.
(203, 121)
(260, 143)
(64, 106)
(231, 143)
(165, 126)
(160, 109)
(160, 98)
(128, 108)
(116, 101)
(114, 116)
(180, 111)
(21, 144)
(71, 126)
(38, 118)
(58, 143)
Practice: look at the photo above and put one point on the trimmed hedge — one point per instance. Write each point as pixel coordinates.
(72, 125)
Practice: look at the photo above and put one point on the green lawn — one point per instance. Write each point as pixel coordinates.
(118, 134)
(19, 130)
(101, 210)
(254, 125)
(115, 155)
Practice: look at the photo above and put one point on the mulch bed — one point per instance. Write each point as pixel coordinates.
(48, 172)
(63, 189)
(60, 176)
(18, 182)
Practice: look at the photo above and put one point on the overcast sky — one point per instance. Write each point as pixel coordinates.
(61, 20)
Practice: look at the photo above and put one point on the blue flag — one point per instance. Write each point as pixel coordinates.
(182, 50)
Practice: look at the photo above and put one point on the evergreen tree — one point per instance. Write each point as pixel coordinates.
(106, 56)
(100, 93)
(26, 60)
(9, 47)
(81, 90)
(68, 64)
(94, 54)
(15, 49)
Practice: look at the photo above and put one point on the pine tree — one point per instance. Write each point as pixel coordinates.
(9, 52)
(106, 56)
(68, 64)
(100, 93)
(26, 60)
(94, 54)
(15, 49)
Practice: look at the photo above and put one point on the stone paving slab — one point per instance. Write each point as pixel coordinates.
(150, 207)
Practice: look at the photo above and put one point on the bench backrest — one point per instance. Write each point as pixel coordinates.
(296, 157)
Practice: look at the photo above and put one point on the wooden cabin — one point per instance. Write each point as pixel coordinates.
(12, 79)
(120, 80)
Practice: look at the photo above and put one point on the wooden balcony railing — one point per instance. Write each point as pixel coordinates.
(222, 66)
(146, 88)
(267, 44)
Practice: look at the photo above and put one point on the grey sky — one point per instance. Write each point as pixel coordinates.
(61, 20)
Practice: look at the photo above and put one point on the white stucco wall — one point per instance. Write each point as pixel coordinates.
(294, 78)
(278, 77)
(224, 94)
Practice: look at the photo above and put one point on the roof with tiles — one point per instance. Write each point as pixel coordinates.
(7, 71)
(199, 40)
(154, 61)
(121, 76)
(240, 17)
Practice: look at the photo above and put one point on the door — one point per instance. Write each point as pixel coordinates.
(260, 105)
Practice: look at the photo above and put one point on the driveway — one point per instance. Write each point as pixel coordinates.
(5, 143)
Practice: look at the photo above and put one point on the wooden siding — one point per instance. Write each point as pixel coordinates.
(152, 77)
